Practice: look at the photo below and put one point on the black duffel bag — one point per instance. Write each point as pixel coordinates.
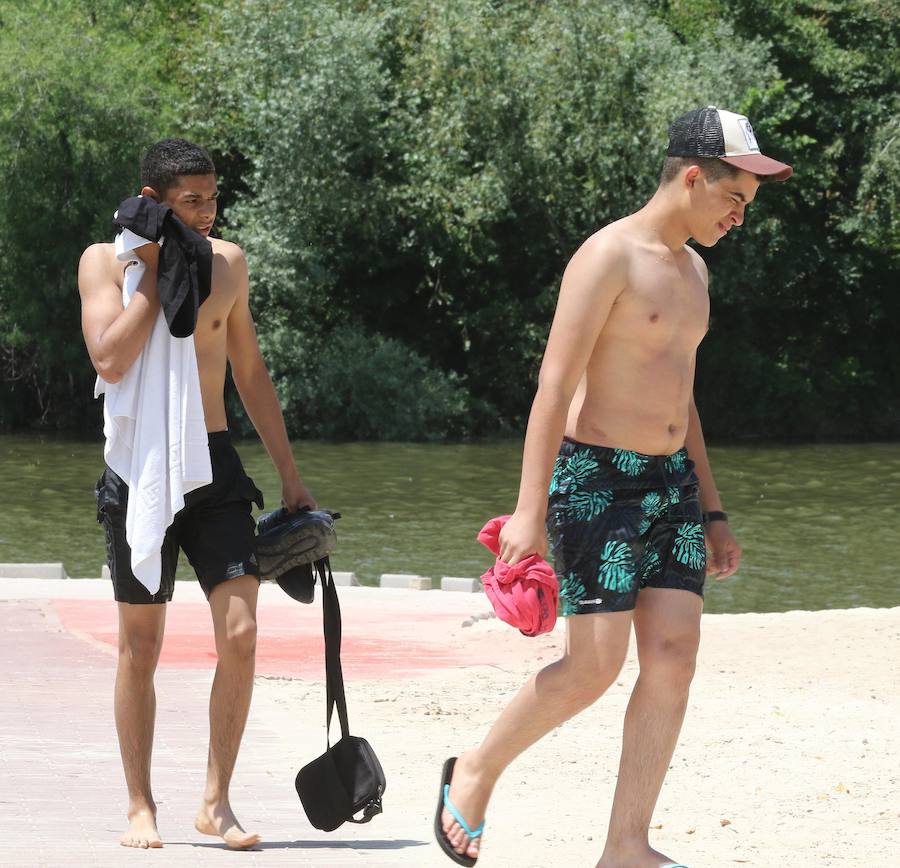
(347, 779)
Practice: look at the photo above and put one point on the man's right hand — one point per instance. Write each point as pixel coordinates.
(521, 536)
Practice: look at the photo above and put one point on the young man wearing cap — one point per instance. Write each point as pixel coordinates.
(634, 518)
(215, 527)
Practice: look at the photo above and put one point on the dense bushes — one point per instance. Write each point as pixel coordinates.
(409, 178)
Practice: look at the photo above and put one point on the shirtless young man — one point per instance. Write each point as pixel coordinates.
(629, 485)
(215, 528)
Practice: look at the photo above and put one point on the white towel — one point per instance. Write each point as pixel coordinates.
(155, 430)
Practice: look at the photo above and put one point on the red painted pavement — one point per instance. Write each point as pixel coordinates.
(376, 644)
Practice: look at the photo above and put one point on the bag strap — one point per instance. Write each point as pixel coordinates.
(334, 676)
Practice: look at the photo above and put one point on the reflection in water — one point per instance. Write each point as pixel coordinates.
(819, 524)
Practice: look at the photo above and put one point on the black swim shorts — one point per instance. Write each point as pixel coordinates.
(620, 521)
(215, 529)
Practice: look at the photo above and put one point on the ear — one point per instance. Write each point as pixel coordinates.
(691, 175)
(150, 193)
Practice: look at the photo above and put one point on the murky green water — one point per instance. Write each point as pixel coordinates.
(820, 525)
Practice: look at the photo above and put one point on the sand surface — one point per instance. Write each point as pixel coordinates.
(790, 753)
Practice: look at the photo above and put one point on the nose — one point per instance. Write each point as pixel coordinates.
(737, 217)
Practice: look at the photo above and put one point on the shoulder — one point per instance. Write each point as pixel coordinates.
(229, 251)
(605, 255)
(699, 264)
(98, 256)
(98, 261)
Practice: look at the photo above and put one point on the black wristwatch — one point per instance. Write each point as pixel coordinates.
(715, 515)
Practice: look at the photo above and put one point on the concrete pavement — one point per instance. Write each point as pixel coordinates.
(62, 799)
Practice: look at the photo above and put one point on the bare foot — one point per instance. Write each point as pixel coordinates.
(219, 820)
(469, 795)
(142, 831)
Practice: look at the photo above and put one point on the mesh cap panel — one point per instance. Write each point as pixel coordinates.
(697, 133)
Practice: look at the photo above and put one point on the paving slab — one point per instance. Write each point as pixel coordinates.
(62, 799)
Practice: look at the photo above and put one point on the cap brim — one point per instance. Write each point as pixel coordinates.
(760, 164)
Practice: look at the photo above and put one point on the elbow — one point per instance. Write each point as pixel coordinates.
(553, 390)
(107, 371)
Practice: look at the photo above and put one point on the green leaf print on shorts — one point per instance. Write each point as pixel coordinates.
(617, 570)
(690, 546)
(675, 462)
(587, 505)
(630, 463)
(653, 506)
(571, 590)
(649, 563)
(558, 466)
(575, 470)
(674, 494)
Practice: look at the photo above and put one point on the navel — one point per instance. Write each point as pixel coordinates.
(216, 323)
(672, 428)
(654, 317)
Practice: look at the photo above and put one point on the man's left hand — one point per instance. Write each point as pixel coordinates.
(294, 495)
(723, 551)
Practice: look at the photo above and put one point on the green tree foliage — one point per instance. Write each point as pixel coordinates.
(408, 179)
(79, 98)
(805, 297)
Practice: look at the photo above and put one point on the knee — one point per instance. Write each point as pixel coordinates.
(671, 661)
(139, 652)
(588, 678)
(239, 640)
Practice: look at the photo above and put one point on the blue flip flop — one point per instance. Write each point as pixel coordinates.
(444, 802)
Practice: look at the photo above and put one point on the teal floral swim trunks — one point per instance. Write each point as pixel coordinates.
(620, 521)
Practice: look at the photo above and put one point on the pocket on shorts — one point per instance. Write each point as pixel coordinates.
(111, 495)
(248, 491)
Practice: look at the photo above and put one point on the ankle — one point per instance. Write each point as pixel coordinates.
(627, 843)
(475, 765)
(137, 808)
(212, 801)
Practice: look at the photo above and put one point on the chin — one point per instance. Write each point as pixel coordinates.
(708, 242)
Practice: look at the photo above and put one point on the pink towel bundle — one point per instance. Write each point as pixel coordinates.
(524, 595)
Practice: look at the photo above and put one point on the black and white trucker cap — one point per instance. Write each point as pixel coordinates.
(714, 132)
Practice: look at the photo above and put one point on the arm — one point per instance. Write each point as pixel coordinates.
(257, 393)
(592, 281)
(724, 550)
(114, 334)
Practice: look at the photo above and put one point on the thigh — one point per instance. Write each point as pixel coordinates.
(667, 624)
(676, 547)
(595, 537)
(220, 542)
(112, 505)
(216, 529)
(233, 607)
(141, 632)
(598, 640)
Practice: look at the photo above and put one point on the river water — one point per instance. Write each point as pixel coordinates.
(820, 524)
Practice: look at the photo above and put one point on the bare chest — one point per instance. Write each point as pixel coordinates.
(213, 314)
(664, 305)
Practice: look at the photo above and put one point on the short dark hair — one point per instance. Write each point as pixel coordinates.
(714, 169)
(165, 161)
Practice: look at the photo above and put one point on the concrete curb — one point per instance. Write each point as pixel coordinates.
(458, 585)
(32, 571)
(404, 580)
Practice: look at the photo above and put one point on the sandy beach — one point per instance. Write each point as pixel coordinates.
(788, 757)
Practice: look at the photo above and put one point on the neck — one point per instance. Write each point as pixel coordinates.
(663, 220)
